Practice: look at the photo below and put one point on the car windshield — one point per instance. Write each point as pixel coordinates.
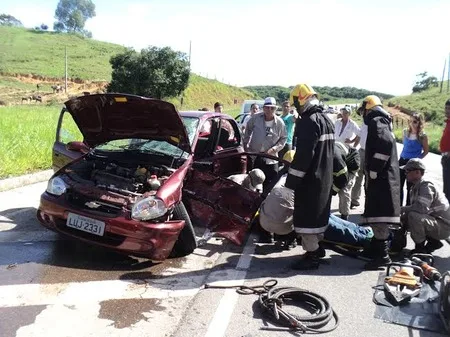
(151, 146)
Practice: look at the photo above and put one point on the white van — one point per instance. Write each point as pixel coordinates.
(245, 109)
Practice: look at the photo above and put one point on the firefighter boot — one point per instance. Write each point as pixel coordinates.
(419, 248)
(369, 251)
(286, 241)
(381, 255)
(432, 245)
(309, 260)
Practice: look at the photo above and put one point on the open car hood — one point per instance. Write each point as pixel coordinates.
(106, 117)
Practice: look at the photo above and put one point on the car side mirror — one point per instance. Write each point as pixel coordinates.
(77, 146)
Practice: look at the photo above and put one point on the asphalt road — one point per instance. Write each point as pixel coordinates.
(50, 286)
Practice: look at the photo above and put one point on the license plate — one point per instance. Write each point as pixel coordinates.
(85, 224)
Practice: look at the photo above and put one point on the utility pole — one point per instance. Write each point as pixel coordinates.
(448, 75)
(190, 48)
(443, 74)
(65, 73)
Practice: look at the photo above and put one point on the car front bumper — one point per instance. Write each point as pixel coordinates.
(152, 240)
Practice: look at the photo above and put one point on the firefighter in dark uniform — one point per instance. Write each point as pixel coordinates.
(382, 204)
(311, 174)
(346, 161)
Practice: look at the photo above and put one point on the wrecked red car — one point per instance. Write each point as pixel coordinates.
(142, 173)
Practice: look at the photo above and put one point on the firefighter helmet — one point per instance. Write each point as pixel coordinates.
(371, 101)
(301, 93)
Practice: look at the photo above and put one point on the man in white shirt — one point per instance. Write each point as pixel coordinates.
(356, 190)
(345, 129)
(254, 108)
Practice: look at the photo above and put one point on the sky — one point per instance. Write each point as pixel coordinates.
(376, 45)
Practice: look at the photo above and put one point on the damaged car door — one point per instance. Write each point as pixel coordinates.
(220, 205)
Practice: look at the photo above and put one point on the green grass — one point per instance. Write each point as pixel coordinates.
(434, 133)
(26, 51)
(202, 92)
(429, 102)
(27, 134)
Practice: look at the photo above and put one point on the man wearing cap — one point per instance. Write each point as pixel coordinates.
(382, 204)
(311, 174)
(428, 215)
(445, 151)
(218, 107)
(252, 180)
(265, 133)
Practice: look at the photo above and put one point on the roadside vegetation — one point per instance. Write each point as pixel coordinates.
(87, 59)
(429, 101)
(329, 95)
(26, 137)
(27, 128)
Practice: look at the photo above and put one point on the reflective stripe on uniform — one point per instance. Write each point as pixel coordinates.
(381, 156)
(341, 172)
(319, 230)
(439, 208)
(343, 148)
(381, 219)
(424, 201)
(328, 136)
(296, 173)
(335, 188)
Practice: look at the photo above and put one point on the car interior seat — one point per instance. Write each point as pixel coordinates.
(223, 138)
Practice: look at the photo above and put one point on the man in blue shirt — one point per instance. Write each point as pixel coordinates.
(289, 120)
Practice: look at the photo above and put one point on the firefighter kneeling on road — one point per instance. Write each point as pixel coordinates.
(346, 163)
(276, 213)
(382, 204)
(428, 215)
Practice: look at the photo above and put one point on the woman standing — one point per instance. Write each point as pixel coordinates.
(415, 145)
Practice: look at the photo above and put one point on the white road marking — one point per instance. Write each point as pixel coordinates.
(219, 323)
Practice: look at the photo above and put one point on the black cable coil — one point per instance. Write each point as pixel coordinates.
(272, 298)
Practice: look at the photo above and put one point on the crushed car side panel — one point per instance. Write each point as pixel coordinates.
(221, 205)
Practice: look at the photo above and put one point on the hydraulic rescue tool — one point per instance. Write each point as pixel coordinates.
(401, 286)
(444, 300)
(426, 262)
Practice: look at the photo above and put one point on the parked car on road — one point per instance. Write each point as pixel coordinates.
(142, 173)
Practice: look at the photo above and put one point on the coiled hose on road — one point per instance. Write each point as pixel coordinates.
(272, 298)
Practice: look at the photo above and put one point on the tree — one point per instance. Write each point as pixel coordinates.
(44, 26)
(72, 16)
(154, 72)
(9, 20)
(423, 82)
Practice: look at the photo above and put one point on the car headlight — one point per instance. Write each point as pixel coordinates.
(56, 186)
(148, 208)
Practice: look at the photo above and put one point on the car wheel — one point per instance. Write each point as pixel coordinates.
(187, 241)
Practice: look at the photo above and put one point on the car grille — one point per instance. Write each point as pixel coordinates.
(79, 200)
(109, 239)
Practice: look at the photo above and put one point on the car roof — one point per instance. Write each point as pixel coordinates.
(204, 114)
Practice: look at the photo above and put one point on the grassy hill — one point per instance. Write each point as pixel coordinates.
(31, 57)
(27, 51)
(429, 102)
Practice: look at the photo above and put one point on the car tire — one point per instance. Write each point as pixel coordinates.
(186, 242)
